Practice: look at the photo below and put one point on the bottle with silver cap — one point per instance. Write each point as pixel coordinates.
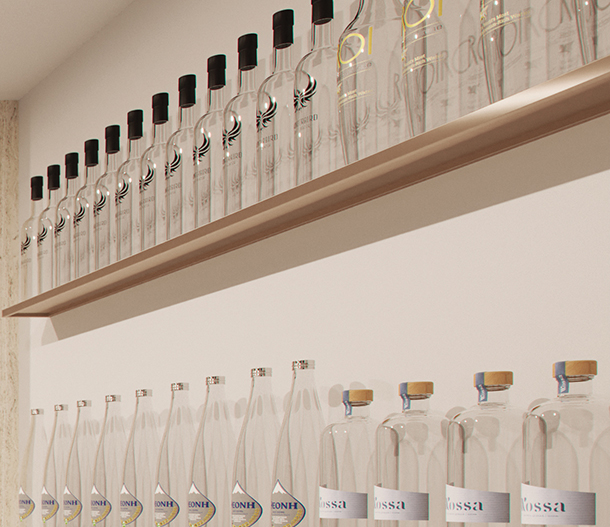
(137, 490)
(347, 465)
(45, 240)
(28, 270)
(254, 454)
(484, 457)
(210, 492)
(64, 251)
(174, 463)
(31, 473)
(567, 452)
(295, 492)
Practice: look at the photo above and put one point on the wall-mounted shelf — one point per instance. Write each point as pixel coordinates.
(563, 102)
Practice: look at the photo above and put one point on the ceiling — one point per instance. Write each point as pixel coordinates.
(36, 36)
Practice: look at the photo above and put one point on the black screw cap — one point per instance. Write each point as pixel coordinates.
(72, 165)
(217, 67)
(160, 107)
(92, 149)
(36, 184)
(135, 118)
(322, 11)
(113, 139)
(283, 22)
(186, 87)
(247, 46)
(53, 177)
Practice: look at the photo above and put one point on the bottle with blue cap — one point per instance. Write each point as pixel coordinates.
(28, 278)
(567, 452)
(484, 457)
(64, 252)
(31, 471)
(45, 240)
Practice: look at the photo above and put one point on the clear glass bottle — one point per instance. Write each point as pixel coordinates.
(210, 492)
(28, 275)
(239, 135)
(254, 454)
(347, 464)
(593, 18)
(316, 128)
(484, 457)
(179, 197)
(295, 494)
(275, 113)
(31, 474)
(64, 250)
(109, 457)
(174, 462)
(412, 461)
(137, 491)
(152, 179)
(45, 240)
(567, 453)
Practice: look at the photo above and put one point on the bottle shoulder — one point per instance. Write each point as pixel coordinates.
(274, 83)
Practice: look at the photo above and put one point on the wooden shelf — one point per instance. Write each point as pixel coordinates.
(569, 100)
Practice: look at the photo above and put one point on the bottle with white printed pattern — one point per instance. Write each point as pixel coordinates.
(347, 465)
(64, 250)
(45, 241)
(567, 452)
(28, 283)
(412, 461)
(484, 457)
(31, 473)
(254, 455)
(593, 18)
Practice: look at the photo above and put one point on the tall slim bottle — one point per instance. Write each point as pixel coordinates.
(152, 177)
(29, 231)
(31, 474)
(593, 18)
(239, 135)
(296, 476)
(254, 455)
(64, 236)
(275, 113)
(556, 21)
(45, 241)
(179, 197)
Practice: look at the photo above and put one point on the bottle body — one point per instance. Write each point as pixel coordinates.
(593, 18)
(152, 190)
(84, 241)
(29, 261)
(45, 244)
(31, 473)
(64, 237)
(127, 203)
(104, 214)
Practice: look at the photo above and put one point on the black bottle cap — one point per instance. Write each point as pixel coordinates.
(186, 87)
(92, 149)
(160, 107)
(135, 118)
(72, 165)
(53, 177)
(282, 28)
(217, 67)
(246, 48)
(36, 184)
(322, 11)
(113, 141)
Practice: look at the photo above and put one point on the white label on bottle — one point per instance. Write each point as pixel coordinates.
(100, 506)
(48, 505)
(72, 506)
(201, 509)
(130, 507)
(393, 504)
(337, 504)
(166, 508)
(26, 505)
(245, 510)
(286, 510)
(541, 506)
(467, 505)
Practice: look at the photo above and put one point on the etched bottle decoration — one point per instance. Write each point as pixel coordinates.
(31, 473)
(567, 452)
(316, 128)
(174, 463)
(484, 457)
(152, 177)
(179, 197)
(210, 492)
(295, 494)
(137, 490)
(254, 454)
(29, 231)
(45, 241)
(347, 464)
(412, 460)
(239, 135)
(104, 211)
(275, 113)
(208, 151)
(556, 22)
(593, 18)
(64, 251)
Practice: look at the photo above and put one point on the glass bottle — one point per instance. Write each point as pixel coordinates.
(137, 491)
(239, 135)
(174, 462)
(316, 128)
(210, 492)
(46, 233)
(127, 196)
(412, 461)
(104, 211)
(84, 241)
(370, 89)
(254, 454)
(593, 18)
(64, 251)
(29, 231)
(179, 198)
(275, 113)
(567, 453)
(295, 495)
(484, 457)
(31, 474)
(152, 180)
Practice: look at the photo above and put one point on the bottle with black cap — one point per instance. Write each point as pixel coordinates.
(179, 194)
(152, 177)
(275, 113)
(104, 211)
(208, 153)
(64, 253)
(45, 240)
(239, 135)
(28, 282)
(127, 196)
(316, 128)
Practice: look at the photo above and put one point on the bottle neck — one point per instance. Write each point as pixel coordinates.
(419, 404)
(580, 386)
(216, 392)
(493, 396)
(187, 117)
(113, 410)
(34, 205)
(261, 386)
(53, 198)
(322, 35)
(71, 187)
(357, 410)
(282, 60)
(83, 415)
(112, 162)
(180, 398)
(91, 174)
(160, 137)
(135, 148)
(303, 379)
(216, 99)
(247, 81)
